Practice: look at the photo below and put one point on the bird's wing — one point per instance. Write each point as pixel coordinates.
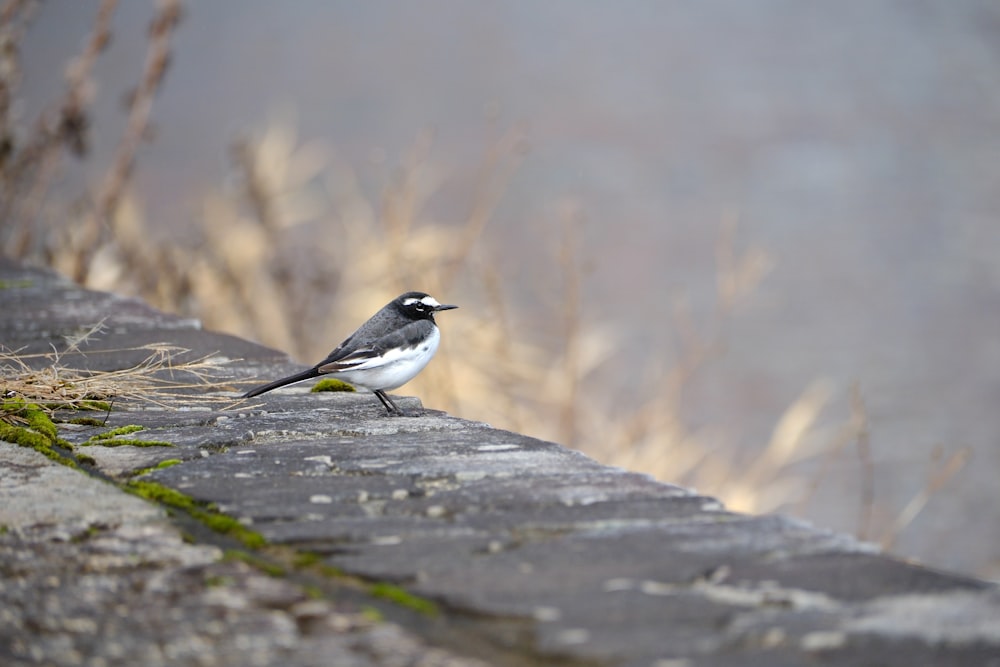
(366, 336)
(378, 352)
(341, 350)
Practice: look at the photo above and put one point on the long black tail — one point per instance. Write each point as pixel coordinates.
(291, 379)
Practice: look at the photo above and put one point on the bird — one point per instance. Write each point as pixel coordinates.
(384, 353)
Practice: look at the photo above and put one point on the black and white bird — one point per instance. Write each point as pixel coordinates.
(384, 353)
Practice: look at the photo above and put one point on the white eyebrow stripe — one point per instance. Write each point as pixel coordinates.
(430, 301)
(410, 301)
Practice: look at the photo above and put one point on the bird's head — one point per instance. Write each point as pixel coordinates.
(420, 305)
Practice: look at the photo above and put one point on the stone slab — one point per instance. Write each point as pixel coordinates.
(536, 554)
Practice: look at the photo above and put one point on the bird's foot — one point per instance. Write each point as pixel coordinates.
(391, 408)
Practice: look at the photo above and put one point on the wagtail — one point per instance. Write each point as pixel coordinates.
(384, 353)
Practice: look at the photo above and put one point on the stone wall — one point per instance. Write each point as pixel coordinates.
(312, 529)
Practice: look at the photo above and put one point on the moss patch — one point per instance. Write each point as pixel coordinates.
(310, 561)
(217, 580)
(331, 384)
(306, 559)
(159, 466)
(372, 615)
(86, 458)
(19, 435)
(162, 494)
(86, 421)
(205, 513)
(40, 422)
(86, 534)
(403, 598)
(121, 430)
(127, 442)
(111, 439)
(267, 567)
(28, 425)
(85, 405)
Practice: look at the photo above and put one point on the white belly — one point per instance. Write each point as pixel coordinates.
(393, 370)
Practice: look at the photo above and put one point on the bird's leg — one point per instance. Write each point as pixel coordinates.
(390, 406)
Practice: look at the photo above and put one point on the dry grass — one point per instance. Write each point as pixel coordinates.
(33, 153)
(46, 380)
(296, 256)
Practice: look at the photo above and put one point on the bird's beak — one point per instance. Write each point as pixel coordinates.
(443, 307)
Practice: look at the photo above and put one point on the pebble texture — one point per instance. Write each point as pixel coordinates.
(533, 553)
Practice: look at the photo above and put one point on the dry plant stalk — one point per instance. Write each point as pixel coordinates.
(30, 163)
(936, 481)
(151, 381)
(53, 384)
(92, 232)
(863, 440)
(29, 166)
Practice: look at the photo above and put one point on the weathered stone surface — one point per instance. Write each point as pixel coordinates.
(535, 553)
(91, 575)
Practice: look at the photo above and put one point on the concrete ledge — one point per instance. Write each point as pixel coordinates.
(533, 553)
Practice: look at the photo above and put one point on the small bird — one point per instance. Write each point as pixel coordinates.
(384, 353)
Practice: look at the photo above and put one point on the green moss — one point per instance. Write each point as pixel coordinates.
(310, 560)
(87, 421)
(20, 283)
(267, 567)
(45, 451)
(127, 442)
(331, 384)
(121, 430)
(13, 404)
(218, 580)
(159, 466)
(86, 405)
(111, 439)
(22, 436)
(328, 570)
(206, 514)
(162, 494)
(372, 615)
(83, 536)
(227, 525)
(40, 433)
(306, 559)
(40, 422)
(313, 592)
(403, 598)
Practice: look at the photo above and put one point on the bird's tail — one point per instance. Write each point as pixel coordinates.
(291, 379)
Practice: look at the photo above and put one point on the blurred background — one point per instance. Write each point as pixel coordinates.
(750, 248)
